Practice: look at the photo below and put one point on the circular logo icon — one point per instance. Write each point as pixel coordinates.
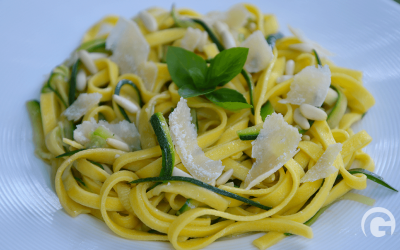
(378, 222)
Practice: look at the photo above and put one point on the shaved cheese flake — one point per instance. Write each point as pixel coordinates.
(324, 166)
(309, 86)
(274, 146)
(260, 53)
(131, 50)
(148, 72)
(82, 105)
(124, 131)
(322, 52)
(194, 39)
(104, 29)
(236, 17)
(184, 137)
(213, 16)
(191, 39)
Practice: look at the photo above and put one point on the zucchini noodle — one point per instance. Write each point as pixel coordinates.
(94, 176)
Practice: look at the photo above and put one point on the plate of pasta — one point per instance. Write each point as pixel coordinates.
(203, 126)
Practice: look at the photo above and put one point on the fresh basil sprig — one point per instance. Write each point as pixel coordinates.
(193, 77)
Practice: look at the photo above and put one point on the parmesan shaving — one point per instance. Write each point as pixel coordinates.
(82, 105)
(184, 137)
(309, 86)
(130, 51)
(191, 39)
(324, 166)
(274, 146)
(236, 17)
(260, 53)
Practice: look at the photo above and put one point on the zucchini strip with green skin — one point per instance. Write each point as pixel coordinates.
(35, 116)
(161, 130)
(70, 153)
(97, 164)
(72, 82)
(91, 46)
(118, 90)
(370, 175)
(221, 48)
(251, 86)
(59, 71)
(338, 110)
(271, 39)
(317, 57)
(178, 22)
(189, 204)
(251, 133)
(203, 185)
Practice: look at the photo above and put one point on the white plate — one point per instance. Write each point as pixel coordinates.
(36, 37)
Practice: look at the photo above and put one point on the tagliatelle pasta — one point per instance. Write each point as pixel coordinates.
(103, 156)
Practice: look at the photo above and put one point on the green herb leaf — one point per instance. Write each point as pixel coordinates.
(228, 99)
(180, 61)
(197, 76)
(266, 110)
(190, 91)
(226, 65)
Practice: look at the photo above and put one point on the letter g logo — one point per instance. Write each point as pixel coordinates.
(379, 222)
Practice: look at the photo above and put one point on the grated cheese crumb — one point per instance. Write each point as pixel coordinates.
(309, 86)
(274, 146)
(324, 166)
(184, 137)
(82, 105)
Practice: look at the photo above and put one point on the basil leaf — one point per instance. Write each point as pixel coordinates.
(179, 61)
(225, 66)
(197, 76)
(190, 91)
(266, 110)
(228, 99)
